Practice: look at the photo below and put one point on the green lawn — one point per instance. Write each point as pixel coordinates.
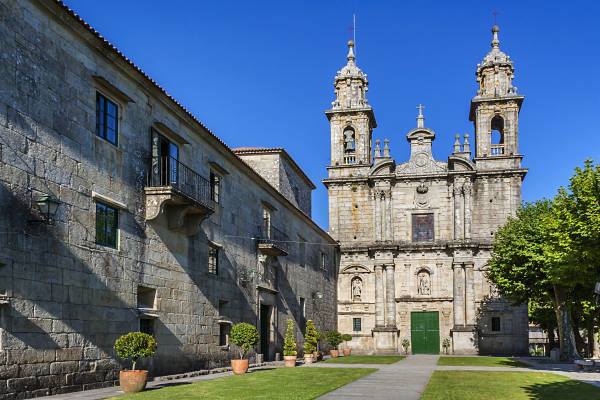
(505, 385)
(281, 383)
(365, 360)
(480, 362)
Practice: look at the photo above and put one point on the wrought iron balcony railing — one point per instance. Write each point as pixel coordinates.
(273, 236)
(168, 171)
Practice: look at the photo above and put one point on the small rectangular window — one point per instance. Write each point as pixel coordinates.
(215, 187)
(146, 297)
(266, 227)
(107, 119)
(147, 326)
(224, 329)
(356, 324)
(324, 261)
(213, 260)
(107, 225)
(422, 227)
(495, 324)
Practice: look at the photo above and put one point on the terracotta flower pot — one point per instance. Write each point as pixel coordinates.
(334, 353)
(290, 361)
(317, 355)
(239, 366)
(133, 381)
(347, 352)
(308, 358)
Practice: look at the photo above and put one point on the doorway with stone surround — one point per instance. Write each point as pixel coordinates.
(425, 332)
(265, 330)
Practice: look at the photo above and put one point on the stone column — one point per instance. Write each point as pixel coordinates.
(379, 311)
(390, 296)
(458, 230)
(469, 294)
(467, 190)
(388, 215)
(377, 216)
(459, 295)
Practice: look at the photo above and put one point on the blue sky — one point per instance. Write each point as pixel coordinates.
(261, 73)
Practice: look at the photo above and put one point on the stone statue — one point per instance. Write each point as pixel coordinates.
(356, 289)
(423, 287)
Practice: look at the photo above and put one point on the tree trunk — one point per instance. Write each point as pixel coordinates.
(590, 338)
(568, 351)
(551, 340)
(579, 342)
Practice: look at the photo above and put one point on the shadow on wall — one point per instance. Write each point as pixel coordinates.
(497, 337)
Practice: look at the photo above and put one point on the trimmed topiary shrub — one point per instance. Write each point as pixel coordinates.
(333, 338)
(406, 345)
(245, 336)
(289, 346)
(346, 338)
(135, 345)
(310, 338)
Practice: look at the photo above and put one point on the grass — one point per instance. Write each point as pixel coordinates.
(505, 385)
(365, 360)
(281, 383)
(480, 362)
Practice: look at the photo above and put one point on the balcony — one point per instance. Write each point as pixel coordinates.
(180, 193)
(497, 150)
(272, 241)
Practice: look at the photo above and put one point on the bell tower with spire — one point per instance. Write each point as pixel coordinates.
(351, 117)
(495, 111)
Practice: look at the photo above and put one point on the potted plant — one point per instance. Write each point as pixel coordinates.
(310, 342)
(318, 354)
(406, 345)
(346, 338)
(289, 346)
(134, 345)
(446, 345)
(334, 338)
(245, 336)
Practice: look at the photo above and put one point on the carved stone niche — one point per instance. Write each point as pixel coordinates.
(183, 213)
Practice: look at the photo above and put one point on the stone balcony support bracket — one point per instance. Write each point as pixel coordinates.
(183, 213)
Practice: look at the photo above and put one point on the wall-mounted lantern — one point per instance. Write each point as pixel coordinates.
(48, 206)
(317, 295)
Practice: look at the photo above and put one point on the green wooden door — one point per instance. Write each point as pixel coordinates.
(425, 332)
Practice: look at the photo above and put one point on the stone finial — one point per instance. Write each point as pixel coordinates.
(377, 148)
(351, 56)
(495, 41)
(386, 149)
(466, 144)
(420, 117)
(456, 144)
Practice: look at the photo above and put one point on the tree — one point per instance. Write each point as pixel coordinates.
(289, 346)
(310, 338)
(245, 336)
(135, 345)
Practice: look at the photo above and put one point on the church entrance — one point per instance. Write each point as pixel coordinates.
(425, 332)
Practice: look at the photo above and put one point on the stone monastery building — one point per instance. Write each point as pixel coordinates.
(158, 227)
(416, 235)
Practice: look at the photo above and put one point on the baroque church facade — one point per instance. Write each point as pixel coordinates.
(416, 236)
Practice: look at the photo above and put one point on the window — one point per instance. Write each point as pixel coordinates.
(146, 297)
(301, 252)
(224, 329)
(147, 326)
(266, 228)
(349, 146)
(107, 117)
(215, 187)
(324, 261)
(495, 324)
(356, 324)
(213, 260)
(497, 136)
(422, 227)
(107, 225)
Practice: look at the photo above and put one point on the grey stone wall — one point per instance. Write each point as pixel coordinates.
(65, 299)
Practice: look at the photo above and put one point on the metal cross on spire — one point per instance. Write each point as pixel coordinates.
(495, 13)
(352, 29)
(420, 107)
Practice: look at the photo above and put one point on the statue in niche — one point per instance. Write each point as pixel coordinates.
(423, 283)
(356, 289)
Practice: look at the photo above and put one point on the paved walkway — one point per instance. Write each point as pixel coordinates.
(403, 380)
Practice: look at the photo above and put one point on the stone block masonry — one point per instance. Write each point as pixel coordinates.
(181, 252)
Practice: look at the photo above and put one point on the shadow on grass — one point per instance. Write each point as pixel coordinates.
(513, 363)
(562, 390)
(191, 380)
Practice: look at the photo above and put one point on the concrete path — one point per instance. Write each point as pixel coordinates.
(403, 380)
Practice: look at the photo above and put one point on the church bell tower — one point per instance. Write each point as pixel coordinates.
(495, 111)
(351, 117)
